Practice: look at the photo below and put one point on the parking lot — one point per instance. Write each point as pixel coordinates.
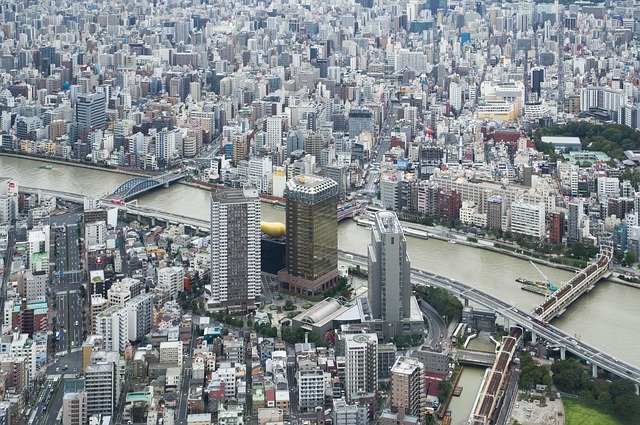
(527, 413)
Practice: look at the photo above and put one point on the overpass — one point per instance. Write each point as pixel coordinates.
(556, 303)
(349, 210)
(138, 185)
(492, 389)
(474, 358)
(511, 314)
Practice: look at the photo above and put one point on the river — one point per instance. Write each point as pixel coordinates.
(605, 317)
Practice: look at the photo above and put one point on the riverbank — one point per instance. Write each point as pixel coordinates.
(70, 163)
(487, 245)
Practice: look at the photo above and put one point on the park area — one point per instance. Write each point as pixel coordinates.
(578, 413)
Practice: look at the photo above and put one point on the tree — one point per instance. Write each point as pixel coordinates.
(629, 258)
(569, 376)
(621, 387)
(627, 407)
(289, 306)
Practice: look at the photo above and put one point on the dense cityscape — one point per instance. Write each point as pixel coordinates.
(297, 212)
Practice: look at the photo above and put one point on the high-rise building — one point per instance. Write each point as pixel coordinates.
(74, 408)
(235, 249)
(312, 235)
(389, 274)
(311, 386)
(8, 200)
(360, 121)
(407, 387)
(170, 281)
(556, 227)
(91, 110)
(112, 324)
(139, 315)
(574, 221)
(101, 380)
(274, 131)
(361, 367)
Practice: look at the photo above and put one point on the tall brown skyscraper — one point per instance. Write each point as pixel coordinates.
(312, 235)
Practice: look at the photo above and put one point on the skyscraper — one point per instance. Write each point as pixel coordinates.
(389, 273)
(91, 110)
(235, 249)
(312, 235)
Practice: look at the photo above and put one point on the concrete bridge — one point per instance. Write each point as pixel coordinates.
(474, 358)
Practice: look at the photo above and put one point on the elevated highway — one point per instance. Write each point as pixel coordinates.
(514, 315)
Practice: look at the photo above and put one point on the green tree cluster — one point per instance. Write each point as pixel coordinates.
(294, 335)
(532, 374)
(618, 395)
(612, 139)
(445, 303)
(265, 329)
(342, 289)
(404, 341)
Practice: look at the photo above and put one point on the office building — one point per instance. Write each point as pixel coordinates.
(274, 131)
(312, 235)
(608, 186)
(407, 387)
(389, 275)
(528, 219)
(235, 250)
(361, 366)
(360, 121)
(91, 110)
(74, 408)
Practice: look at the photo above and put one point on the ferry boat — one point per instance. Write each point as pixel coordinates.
(46, 167)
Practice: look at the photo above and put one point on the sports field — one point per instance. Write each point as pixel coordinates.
(577, 413)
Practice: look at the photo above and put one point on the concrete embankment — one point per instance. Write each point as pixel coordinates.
(76, 164)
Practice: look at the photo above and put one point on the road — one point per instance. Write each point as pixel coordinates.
(185, 383)
(69, 319)
(516, 316)
(437, 328)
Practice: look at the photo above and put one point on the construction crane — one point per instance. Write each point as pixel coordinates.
(550, 284)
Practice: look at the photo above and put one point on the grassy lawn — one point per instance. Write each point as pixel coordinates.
(577, 413)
